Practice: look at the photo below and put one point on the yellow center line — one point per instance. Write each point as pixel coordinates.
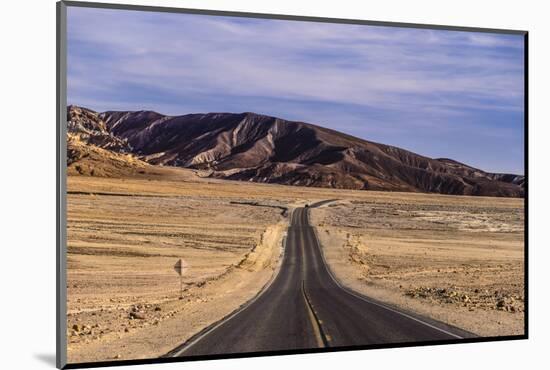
(316, 326)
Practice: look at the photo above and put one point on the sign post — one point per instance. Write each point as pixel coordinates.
(180, 267)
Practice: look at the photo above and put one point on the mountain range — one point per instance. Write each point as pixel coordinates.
(254, 147)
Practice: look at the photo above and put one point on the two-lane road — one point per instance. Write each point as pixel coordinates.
(306, 307)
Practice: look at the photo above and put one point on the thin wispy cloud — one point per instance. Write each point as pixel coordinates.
(406, 87)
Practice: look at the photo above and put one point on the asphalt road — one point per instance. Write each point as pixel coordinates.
(306, 307)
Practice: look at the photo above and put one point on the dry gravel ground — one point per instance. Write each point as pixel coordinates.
(123, 293)
(456, 259)
(421, 252)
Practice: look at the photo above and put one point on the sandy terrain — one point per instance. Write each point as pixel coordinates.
(458, 262)
(422, 252)
(123, 293)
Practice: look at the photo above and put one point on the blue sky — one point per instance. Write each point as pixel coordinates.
(438, 93)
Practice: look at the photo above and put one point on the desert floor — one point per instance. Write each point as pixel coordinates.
(456, 259)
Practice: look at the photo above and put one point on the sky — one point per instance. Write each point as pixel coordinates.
(438, 93)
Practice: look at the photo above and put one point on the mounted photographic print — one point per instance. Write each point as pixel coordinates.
(234, 184)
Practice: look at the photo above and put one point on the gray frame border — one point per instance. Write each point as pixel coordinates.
(61, 176)
(61, 185)
(226, 13)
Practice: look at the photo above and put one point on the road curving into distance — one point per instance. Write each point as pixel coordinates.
(305, 307)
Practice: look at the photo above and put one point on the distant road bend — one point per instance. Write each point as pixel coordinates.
(306, 307)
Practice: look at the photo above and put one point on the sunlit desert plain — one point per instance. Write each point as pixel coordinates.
(457, 259)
